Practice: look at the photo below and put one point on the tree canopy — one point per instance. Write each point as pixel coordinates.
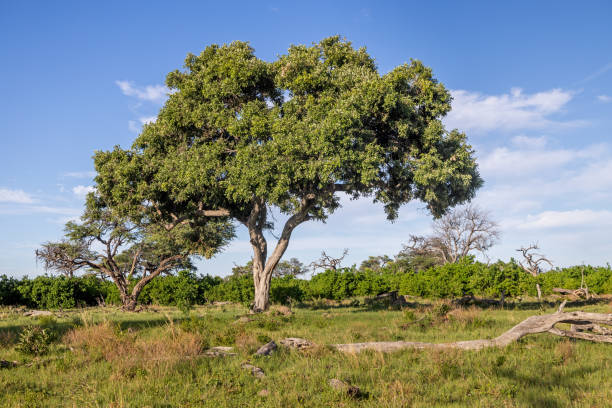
(239, 135)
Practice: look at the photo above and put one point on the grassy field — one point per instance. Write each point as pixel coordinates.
(102, 357)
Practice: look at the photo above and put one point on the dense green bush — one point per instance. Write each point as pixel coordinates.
(286, 289)
(186, 288)
(466, 277)
(183, 290)
(60, 292)
(9, 291)
(239, 289)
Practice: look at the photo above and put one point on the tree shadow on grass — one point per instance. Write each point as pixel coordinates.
(537, 389)
(536, 305)
(9, 335)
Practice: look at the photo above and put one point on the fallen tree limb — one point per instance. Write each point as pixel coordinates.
(531, 325)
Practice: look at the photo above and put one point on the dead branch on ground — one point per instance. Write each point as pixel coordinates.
(586, 326)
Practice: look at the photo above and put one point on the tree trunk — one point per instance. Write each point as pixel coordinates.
(262, 265)
(129, 303)
(539, 291)
(262, 295)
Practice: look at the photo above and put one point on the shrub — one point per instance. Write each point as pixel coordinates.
(34, 340)
(9, 291)
(235, 289)
(286, 289)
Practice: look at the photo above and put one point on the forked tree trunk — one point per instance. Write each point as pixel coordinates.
(129, 300)
(262, 265)
(262, 271)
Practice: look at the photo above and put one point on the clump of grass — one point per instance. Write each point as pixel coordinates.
(128, 353)
(248, 342)
(564, 351)
(470, 318)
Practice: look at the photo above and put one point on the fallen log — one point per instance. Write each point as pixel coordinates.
(531, 325)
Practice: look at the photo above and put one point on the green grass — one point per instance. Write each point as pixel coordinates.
(107, 358)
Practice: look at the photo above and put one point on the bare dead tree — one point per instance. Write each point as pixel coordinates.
(326, 262)
(532, 263)
(456, 235)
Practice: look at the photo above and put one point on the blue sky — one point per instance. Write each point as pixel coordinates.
(532, 87)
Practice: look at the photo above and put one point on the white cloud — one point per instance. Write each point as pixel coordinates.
(604, 98)
(82, 191)
(152, 93)
(503, 161)
(80, 174)
(570, 218)
(15, 196)
(516, 110)
(147, 119)
(40, 209)
(530, 142)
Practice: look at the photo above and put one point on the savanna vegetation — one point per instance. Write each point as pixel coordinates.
(186, 288)
(238, 140)
(158, 357)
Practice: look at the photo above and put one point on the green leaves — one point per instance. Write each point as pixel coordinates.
(237, 129)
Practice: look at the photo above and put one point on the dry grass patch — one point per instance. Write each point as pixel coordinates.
(106, 341)
(247, 342)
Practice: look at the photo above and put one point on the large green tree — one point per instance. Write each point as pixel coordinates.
(239, 136)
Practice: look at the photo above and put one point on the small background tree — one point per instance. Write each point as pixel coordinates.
(326, 262)
(455, 235)
(131, 251)
(532, 262)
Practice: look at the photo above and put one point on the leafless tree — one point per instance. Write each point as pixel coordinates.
(456, 235)
(532, 262)
(326, 262)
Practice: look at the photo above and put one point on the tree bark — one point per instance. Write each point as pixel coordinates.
(262, 265)
(129, 303)
(539, 291)
(531, 325)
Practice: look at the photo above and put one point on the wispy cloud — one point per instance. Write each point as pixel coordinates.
(82, 191)
(39, 209)
(512, 111)
(80, 174)
(136, 126)
(595, 74)
(15, 196)
(604, 98)
(570, 218)
(152, 93)
(534, 159)
(530, 142)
